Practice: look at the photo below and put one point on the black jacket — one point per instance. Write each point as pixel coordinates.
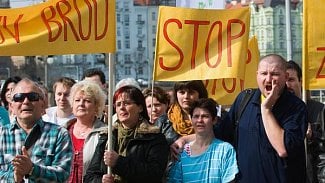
(146, 159)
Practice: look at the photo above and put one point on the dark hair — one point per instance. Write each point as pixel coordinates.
(15, 80)
(67, 82)
(294, 66)
(196, 85)
(159, 93)
(136, 95)
(95, 72)
(205, 103)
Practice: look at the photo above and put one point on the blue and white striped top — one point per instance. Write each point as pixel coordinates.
(217, 164)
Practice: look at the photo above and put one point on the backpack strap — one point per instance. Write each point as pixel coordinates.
(248, 93)
(32, 137)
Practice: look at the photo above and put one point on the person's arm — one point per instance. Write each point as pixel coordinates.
(274, 132)
(178, 145)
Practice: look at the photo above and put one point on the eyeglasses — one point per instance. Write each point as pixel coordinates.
(32, 97)
(124, 103)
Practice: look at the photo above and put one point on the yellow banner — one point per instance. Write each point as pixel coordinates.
(201, 44)
(313, 45)
(58, 27)
(224, 91)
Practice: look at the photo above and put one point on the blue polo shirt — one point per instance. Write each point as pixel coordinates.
(258, 161)
(4, 116)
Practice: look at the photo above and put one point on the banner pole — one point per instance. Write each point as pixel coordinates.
(111, 68)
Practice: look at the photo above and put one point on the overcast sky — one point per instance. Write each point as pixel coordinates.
(22, 3)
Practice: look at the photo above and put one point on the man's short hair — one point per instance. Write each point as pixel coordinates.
(95, 72)
(66, 81)
(294, 66)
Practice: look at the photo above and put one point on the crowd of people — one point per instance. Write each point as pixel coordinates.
(159, 136)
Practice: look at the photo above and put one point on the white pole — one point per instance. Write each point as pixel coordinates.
(111, 68)
(288, 30)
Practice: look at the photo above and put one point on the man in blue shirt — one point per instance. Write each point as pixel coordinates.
(271, 130)
(31, 149)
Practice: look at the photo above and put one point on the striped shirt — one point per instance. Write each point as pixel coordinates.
(52, 153)
(217, 164)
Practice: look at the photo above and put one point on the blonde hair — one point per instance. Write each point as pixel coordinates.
(92, 90)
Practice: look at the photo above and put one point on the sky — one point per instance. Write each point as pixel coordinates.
(23, 3)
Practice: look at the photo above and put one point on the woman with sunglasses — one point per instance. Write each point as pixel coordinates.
(140, 151)
(87, 100)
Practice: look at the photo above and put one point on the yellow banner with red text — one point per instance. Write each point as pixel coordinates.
(59, 27)
(194, 44)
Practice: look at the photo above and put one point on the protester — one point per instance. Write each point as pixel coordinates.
(158, 112)
(185, 93)
(269, 135)
(7, 88)
(157, 102)
(30, 149)
(96, 75)
(62, 112)
(4, 116)
(87, 100)
(127, 82)
(205, 159)
(315, 132)
(140, 151)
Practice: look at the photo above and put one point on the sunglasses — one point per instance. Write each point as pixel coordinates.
(32, 97)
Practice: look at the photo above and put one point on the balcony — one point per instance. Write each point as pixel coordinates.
(141, 48)
(141, 36)
(140, 22)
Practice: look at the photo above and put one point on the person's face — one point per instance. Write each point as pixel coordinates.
(83, 106)
(155, 108)
(9, 89)
(293, 83)
(127, 110)
(96, 79)
(186, 97)
(61, 96)
(202, 121)
(26, 110)
(270, 71)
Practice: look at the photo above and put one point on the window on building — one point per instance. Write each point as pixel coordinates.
(139, 30)
(127, 58)
(126, 6)
(268, 21)
(119, 44)
(140, 70)
(140, 56)
(127, 71)
(118, 32)
(126, 19)
(153, 16)
(127, 43)
(281, 32)
(281, 45)
(154, 29)
(154, 42)
(126, 33)
(118, 17)
(139, 17)
(269, 45)
(139, 43)
(281, 20)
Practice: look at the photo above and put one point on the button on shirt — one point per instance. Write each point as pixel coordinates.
(51, 154)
